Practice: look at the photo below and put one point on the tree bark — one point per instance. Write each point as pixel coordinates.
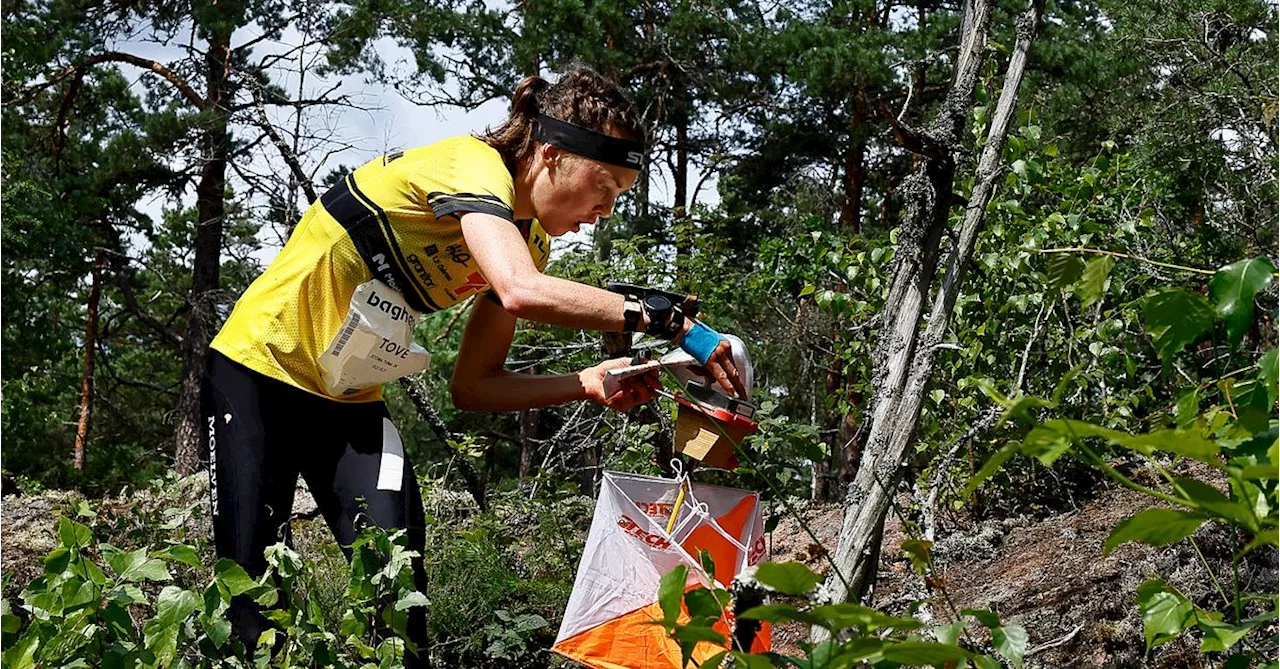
(530, 435)
(680, 208)
(205, 280)
(854, 169)
(90, 346)
(906, 355)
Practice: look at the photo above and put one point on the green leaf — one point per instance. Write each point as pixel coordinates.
(72, 534)
(698, 633)
(126, 593)
(83, 595)
(743, 660)
(986, 662)
(840, 616)
(775, 613)
(1182, 442)
(1253, 496)
(1093, 279)
(135, 566)
(1207, 497)
(808, 290)
(218, 629)
(919, 551)
(670, 592)
(410, 599)
(993, 465)
(1219, 636)
(1045, 443)
(233, 577)
(117, 621)
(1233, 289)
(352, 625)
(184, 554)
(1156, 527)
(714, 661)
(1011, 642)
(151, 569)
(1064, 269)
(702, 603)
(1269, 376)
(707, 562)
(788, 578)
(923, 652)
(989, 619)
(1165, 612)
(1188, 408)
(1189, 443)
(57, 560)
(1175, 318)
(949, 634)
(22, 655)
(161, 633)
(1267, 537)
(174, 605)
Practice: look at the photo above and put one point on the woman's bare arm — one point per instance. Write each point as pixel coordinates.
(481, 381)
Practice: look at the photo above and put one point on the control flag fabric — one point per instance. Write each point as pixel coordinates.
(608, 621)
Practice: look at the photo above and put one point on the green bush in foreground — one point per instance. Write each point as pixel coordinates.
(99, 606)
(856, 633)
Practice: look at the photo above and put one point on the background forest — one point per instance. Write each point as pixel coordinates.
(994, 261)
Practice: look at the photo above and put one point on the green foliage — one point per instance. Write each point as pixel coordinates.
(510, 638)
(1239, 443)
(1233, 290)
(859, 633)
(97, 605)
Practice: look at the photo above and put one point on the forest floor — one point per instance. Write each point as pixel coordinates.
(1044, 570)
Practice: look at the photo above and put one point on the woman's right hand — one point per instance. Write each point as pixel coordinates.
(632, 391)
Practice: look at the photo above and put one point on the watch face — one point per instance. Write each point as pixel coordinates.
(657, 303)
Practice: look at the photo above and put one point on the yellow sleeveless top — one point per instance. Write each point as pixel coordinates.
(395, 219)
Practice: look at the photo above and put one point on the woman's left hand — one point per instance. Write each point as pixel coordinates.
(632, 391)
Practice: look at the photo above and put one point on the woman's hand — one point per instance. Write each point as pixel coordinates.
(720, 365)
(632, 391)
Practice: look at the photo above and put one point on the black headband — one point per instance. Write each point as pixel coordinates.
(589, 143)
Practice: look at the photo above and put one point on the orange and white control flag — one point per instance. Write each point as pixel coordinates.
(608, 622)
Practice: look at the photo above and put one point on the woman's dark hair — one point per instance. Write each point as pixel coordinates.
(581, 96)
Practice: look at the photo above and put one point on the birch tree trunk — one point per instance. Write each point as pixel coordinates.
(907, 347)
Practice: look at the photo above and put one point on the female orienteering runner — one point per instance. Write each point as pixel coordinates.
(293, 384)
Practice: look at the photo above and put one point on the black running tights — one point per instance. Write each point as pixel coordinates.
(262, 434)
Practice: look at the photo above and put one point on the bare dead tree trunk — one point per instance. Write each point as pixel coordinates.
(205, 279)
(90, 346)
(906, 354)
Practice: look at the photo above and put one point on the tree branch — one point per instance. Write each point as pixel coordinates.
(79, 69)
(255, 89)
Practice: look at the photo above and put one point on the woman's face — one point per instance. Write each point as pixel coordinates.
(574, 191)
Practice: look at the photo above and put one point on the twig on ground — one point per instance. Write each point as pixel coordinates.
(1054, 644)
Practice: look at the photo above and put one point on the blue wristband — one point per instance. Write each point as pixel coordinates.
(700, 341)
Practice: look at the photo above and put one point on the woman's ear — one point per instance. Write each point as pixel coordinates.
(549, 155)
